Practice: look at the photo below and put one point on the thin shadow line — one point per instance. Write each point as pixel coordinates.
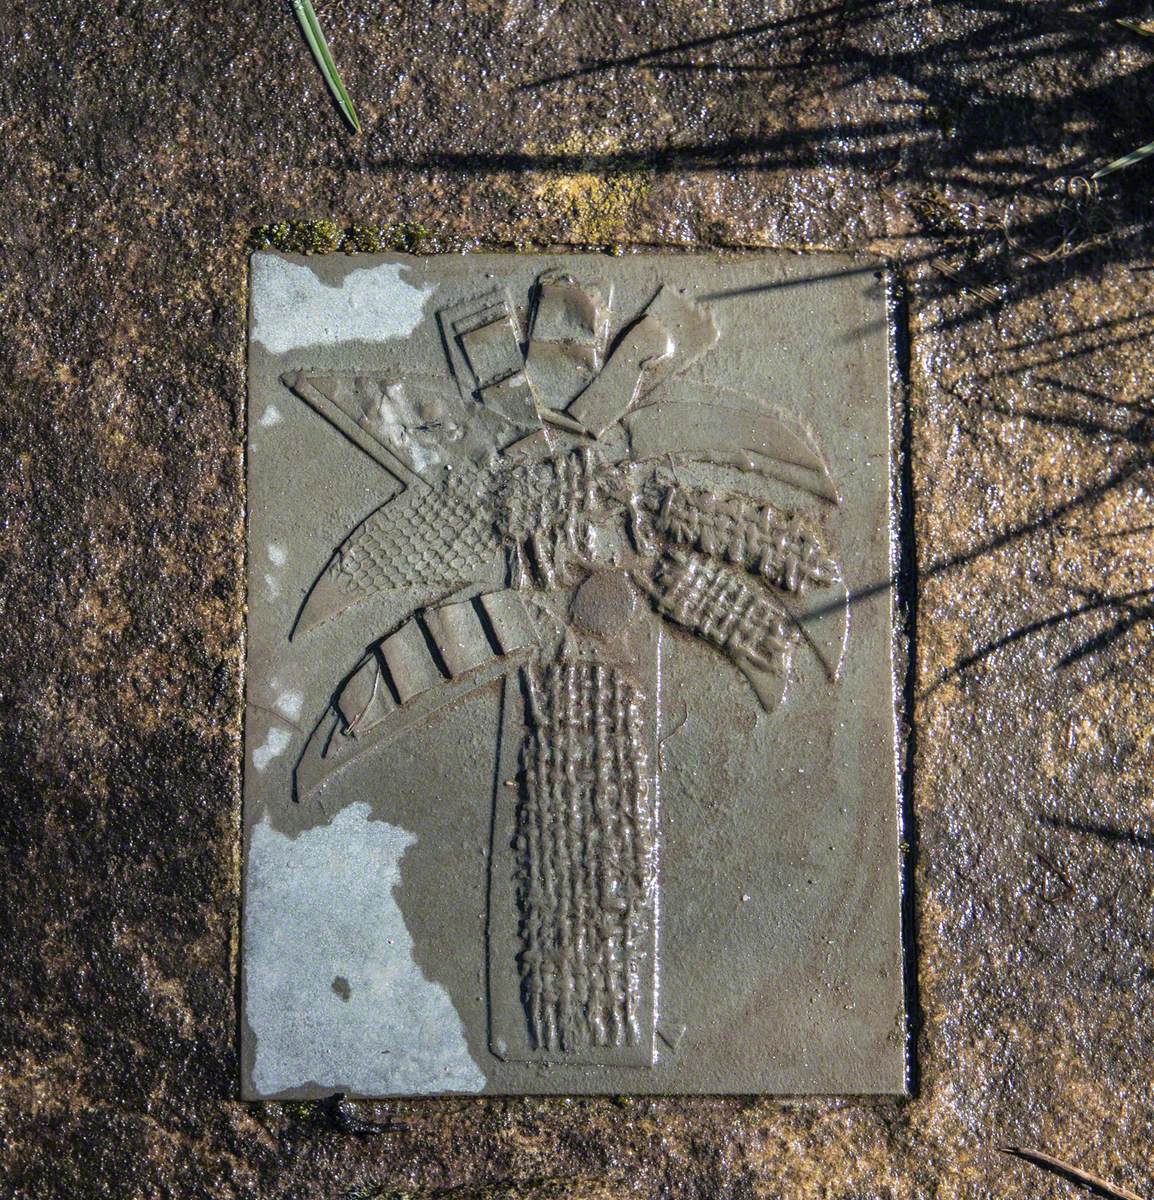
(751, 289)
(1100, 641)
(1137, 434)
(1108, 833)
(1087, 495)
(1096, 396)
(797, 149)
(1025, 631)
(840, 11)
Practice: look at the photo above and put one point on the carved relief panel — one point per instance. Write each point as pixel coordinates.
(612, 547)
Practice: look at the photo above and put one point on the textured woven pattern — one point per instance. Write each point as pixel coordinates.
(547, 511)
(719, 606)
(586, 858)
(781, 549)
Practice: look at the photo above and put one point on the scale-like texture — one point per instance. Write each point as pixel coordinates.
(441, 536)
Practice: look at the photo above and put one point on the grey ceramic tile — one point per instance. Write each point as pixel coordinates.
(570, 740)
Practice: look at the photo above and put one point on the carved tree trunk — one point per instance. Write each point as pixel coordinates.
(586, 858)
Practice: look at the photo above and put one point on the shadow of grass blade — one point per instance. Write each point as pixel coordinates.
(1126, 160)
(315, 37)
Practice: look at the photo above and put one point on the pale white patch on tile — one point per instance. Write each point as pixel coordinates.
(271, 416)
(289, 704)
(276, 555)
(319, 909)
(395, 421)
(273, 585)
(276, 742)
(291, 307)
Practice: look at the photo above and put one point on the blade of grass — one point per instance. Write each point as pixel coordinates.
(1144, 28)
(315, 37)
(1071, 1174)
(1126, 161)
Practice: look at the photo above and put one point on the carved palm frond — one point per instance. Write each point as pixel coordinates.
(541, 535)
(521, 474)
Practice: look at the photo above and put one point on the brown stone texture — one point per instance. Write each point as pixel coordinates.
(140, 143)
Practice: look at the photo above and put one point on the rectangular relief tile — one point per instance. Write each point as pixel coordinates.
(570, 738)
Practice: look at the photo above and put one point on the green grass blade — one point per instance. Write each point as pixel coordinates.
(1126, 160)
(315, 37)
(1143, 28)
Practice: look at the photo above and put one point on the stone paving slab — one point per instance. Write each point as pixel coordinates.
(141, 147)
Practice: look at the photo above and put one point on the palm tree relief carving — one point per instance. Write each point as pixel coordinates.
(558, 531)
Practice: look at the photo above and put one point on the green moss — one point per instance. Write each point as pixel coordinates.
(590, 207)
(297, 237)
(326, 237)
(591, 212)
(364, 239)
(593, 207)
(410, 237)
(297, 1109)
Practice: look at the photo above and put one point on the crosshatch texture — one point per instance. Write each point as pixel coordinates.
(570, 740)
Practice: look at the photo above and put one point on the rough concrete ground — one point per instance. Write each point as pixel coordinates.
(143, 142)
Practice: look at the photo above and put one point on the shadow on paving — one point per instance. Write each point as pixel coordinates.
(956, 137)
(975, 93)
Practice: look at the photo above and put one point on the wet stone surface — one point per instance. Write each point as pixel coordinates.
(575, 760)
(140, 149)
